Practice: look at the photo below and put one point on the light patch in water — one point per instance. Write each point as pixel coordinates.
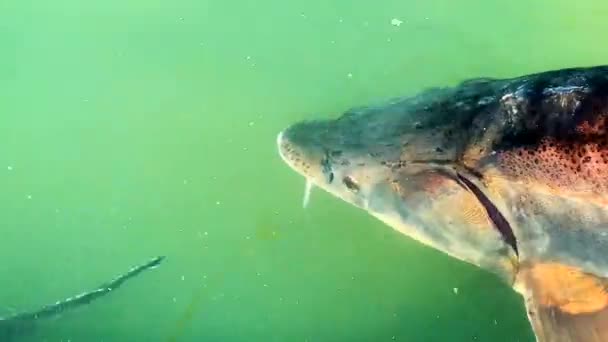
(307, 191)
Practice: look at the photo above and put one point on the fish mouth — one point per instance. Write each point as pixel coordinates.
(285, 153)
(499, 222)
(309, 185)
(279, 143)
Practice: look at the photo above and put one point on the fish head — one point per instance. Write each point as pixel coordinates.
(401, 162)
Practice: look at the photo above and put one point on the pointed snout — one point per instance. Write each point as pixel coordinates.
(280, 144)
(300, 154)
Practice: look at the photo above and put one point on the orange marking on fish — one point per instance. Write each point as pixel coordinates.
(567, 288)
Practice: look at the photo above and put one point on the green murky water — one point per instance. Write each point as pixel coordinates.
(130, 129)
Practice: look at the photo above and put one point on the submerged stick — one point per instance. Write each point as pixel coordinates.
(23, 322)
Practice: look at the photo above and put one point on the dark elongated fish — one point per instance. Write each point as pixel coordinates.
(17, 325)
(510, 175)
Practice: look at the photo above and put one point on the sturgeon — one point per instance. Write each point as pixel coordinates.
(508, 174)
(16, 326)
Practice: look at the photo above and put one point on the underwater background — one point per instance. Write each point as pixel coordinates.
(130, 129)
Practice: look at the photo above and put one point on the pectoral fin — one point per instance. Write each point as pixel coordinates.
(563, 303)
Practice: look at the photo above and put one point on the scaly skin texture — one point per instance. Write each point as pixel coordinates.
(508, 174)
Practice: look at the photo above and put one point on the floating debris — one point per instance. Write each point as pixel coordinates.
(396, 22)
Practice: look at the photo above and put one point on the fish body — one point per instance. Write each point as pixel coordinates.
(510, 175)
(14, 327)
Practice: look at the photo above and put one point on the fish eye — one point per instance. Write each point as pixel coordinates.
(350, 184)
